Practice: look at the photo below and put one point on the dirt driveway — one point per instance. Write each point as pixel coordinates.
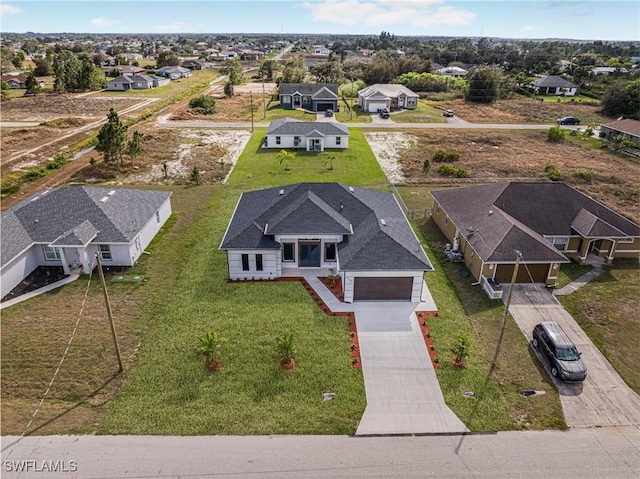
(603, 399)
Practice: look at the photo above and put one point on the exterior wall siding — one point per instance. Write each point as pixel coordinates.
(287, 141)
(269, 264)
(18, 269)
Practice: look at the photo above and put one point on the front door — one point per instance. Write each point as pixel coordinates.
(309, 255)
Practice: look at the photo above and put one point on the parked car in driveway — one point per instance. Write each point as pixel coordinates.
(563, 356)
(448, 113)
(568, 120)
(328, 113)
(384, 113)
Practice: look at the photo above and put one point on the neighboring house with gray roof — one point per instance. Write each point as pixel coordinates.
(553, 85)
(312, 136)
(68, 226)
(173, 72)
(311, 228)
(549, 223)
(130, 82)
(310, 96)
(391, 96)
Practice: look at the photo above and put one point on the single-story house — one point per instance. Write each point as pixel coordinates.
(391, 96)
(313, 228)
(251, 55)
(68, 226)
(553, 85)
(173, 72)
(159, 81)
(312, 136)
(130, 70)
(15, 81)
(607, 70)
(629, 129)
(130, 82)
(321, 50)
(130, 57)
(549, 223)
(454, 71)
(310, 96)
(193, 64)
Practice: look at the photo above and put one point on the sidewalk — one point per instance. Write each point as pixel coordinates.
(598, 269)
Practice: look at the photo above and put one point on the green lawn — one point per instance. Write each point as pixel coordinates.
(259, 168)
(275, 112)
(569, 99)
(570, 272)
(425, 113)
(197, 80)
(607, 310)
(498, 404)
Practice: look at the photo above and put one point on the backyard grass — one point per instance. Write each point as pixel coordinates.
(567, 99)
(498, 404)
(607, 310)
(569, 272)
(259, 168)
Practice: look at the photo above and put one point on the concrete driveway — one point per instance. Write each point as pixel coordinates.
(603, 399)
(403, 393)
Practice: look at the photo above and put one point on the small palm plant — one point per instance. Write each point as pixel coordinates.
(460, 348)
(285, 157)
(209, 348)
(286, 351)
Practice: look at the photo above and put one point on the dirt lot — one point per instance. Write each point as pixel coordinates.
(503, 155)
(520, 109)
(51, 106)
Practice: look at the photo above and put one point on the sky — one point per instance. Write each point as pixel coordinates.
(583, 19)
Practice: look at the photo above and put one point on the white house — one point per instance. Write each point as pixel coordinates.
(391, 96)
(67, 226)
(321, 50)
(312, 136)
(312, 228)
(455, 72)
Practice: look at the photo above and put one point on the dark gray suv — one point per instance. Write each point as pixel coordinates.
(563, 356)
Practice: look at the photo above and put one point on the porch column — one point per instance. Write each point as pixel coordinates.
(611, 251)
(584, 250)
(65, 264)
(84, 259)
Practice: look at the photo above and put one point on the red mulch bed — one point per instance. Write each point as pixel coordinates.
(426, 334)
(333, 285)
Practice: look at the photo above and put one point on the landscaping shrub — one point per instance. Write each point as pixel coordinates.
(585, 175)
(203, 104)
(58, 162)
(426, 166)
(34, 173)
(555, 134)
(552, 173)
(449, 170)
(441, 156)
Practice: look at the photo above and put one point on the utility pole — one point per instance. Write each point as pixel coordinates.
(251, 99)
(351, 101)
(106, 300)
(264, 100)
(506, 311)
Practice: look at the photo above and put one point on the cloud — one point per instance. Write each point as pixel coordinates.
(529, 28)
(104, 22)
(417, 13)
(177, 26)
(9, 10)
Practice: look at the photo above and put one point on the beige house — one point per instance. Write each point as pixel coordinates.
(390, 96)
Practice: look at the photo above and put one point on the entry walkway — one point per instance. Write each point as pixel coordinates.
(403, 393)
(598, 269)
(45, 289)
(603, 399)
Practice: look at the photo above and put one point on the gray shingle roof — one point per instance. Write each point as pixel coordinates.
(330, 208)
(290, 126)
(501, 217)
(71, 214)
(324, 90)
(81, 235)
(554, 81)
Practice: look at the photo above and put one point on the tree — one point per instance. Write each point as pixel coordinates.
(555, 134)
(203, 104)
(383, 68)
(43, 66)
(112, 139)
(233, 69)
(484, 85)
(18, 58)
(66, 70)
(195, 175)
(167, 59)
(285, 157)
(268, 69)
(90, 78)
(228, 89)
(294, 70)
(327, 72)
(4, 90)
(460, 348)
(134, 145)
(614, 99)
(32, 84)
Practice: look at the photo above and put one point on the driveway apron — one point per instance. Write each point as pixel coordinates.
(603, 399)
(403, 393)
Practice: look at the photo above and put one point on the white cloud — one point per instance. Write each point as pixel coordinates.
(529, 28)
(9, 10)
(104, 22)
(418, 13)
(178, 26)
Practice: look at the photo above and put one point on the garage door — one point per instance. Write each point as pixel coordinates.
(381, 289)
(538, 273)
(376, 107)
(324, 106)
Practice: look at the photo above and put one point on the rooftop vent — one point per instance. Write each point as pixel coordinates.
(104, 199)
(281, 192)
(112, 192)
(490, 212)
(383, 222)
(351, 189)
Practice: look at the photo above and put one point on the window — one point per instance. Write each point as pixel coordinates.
(105, 252)
(138, 243)
(438, 209)
(446, 220)
(288, 252)
(158, 217)
(296, 140)
(50, 253)
(278, 140)
(628, 239)
(329, 251)
(338, 140)
(245, 262)
(560, 242)
(259, 262)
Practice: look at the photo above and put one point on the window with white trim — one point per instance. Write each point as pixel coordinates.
(288, 252)
(259, 266)
(446, 220)
(560, 242)
(50, 253)
(338, 140)
(245, 262)
(329, 252)
(627, 239)
(105, 252)
(158, 217)
(278, 140)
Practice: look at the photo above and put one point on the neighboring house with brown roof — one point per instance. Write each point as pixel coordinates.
(629, 129)
(549, 223)
(15, 81)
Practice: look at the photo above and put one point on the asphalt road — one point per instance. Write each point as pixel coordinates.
(586, 453)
